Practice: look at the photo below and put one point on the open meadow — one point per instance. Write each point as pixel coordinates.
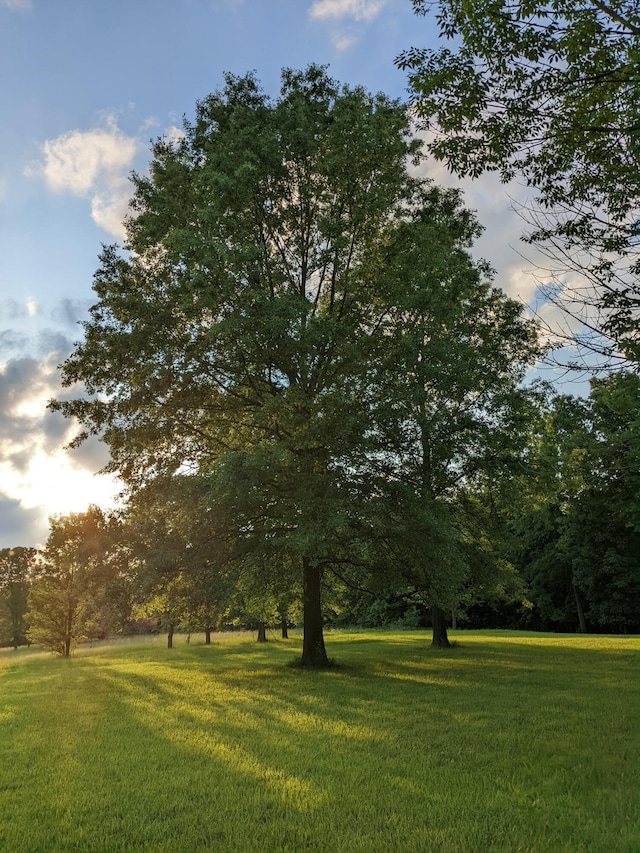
(506, 742)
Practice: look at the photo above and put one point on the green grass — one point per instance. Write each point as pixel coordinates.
(507, 742)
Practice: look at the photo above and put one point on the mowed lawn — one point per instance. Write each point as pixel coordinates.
(507, 742)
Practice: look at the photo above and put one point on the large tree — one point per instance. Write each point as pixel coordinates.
(548, 91)
(281, 263)
(225, 338)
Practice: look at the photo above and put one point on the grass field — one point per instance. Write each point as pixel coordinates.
(507, 742)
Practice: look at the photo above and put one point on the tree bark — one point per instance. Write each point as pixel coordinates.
(440, 639)
(582, 622)
(285, 629)
(262, 632)
(207, 636)
(170, 637)
(69, 629)
(454, 621)
(314, 654)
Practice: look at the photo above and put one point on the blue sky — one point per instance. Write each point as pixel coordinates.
(86, 86)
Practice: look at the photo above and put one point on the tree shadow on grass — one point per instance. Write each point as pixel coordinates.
(400, 747)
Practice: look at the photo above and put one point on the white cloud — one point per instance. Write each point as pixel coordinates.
(110, 205)
(92, 164)
(37, 475)
(524, 272)
(174, 135)
(343, 41)
(359, 10)
(16, 4)
(77, 161)
(500, 244)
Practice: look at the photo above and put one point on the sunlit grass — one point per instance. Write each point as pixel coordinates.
(508, 742)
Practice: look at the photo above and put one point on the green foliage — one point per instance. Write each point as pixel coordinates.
(603, 522)
(69, 597)
(508, 742)
(549, 91)
(291, 301)
(16, 568)
(180, 553)
(444, 396)
(574, 513)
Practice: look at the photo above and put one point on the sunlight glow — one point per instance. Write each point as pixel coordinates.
(52, 482)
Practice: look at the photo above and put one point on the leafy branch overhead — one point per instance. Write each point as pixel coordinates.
(549, 92)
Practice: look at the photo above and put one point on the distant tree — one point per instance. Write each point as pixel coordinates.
(16, 569)
(548, 91)
(574, 511)
(265, 587)
(70, 588)
(171, 605)
(180, 552)
(547, 488)
(602, 527)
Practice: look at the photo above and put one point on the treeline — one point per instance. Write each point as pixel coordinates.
(560, 526)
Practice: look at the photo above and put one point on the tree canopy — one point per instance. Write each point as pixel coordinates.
(69, 595)
(285, 281)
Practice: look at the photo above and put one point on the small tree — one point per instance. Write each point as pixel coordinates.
(16, 569)
(180, 547)
(70, 586)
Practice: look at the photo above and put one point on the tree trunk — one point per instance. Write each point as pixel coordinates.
(69, 633)
(454, 621)
(207, 636)
(313, 651)
(582, 622)
(170, 637)
(285, 629)
(262, 632)
(440, 639)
